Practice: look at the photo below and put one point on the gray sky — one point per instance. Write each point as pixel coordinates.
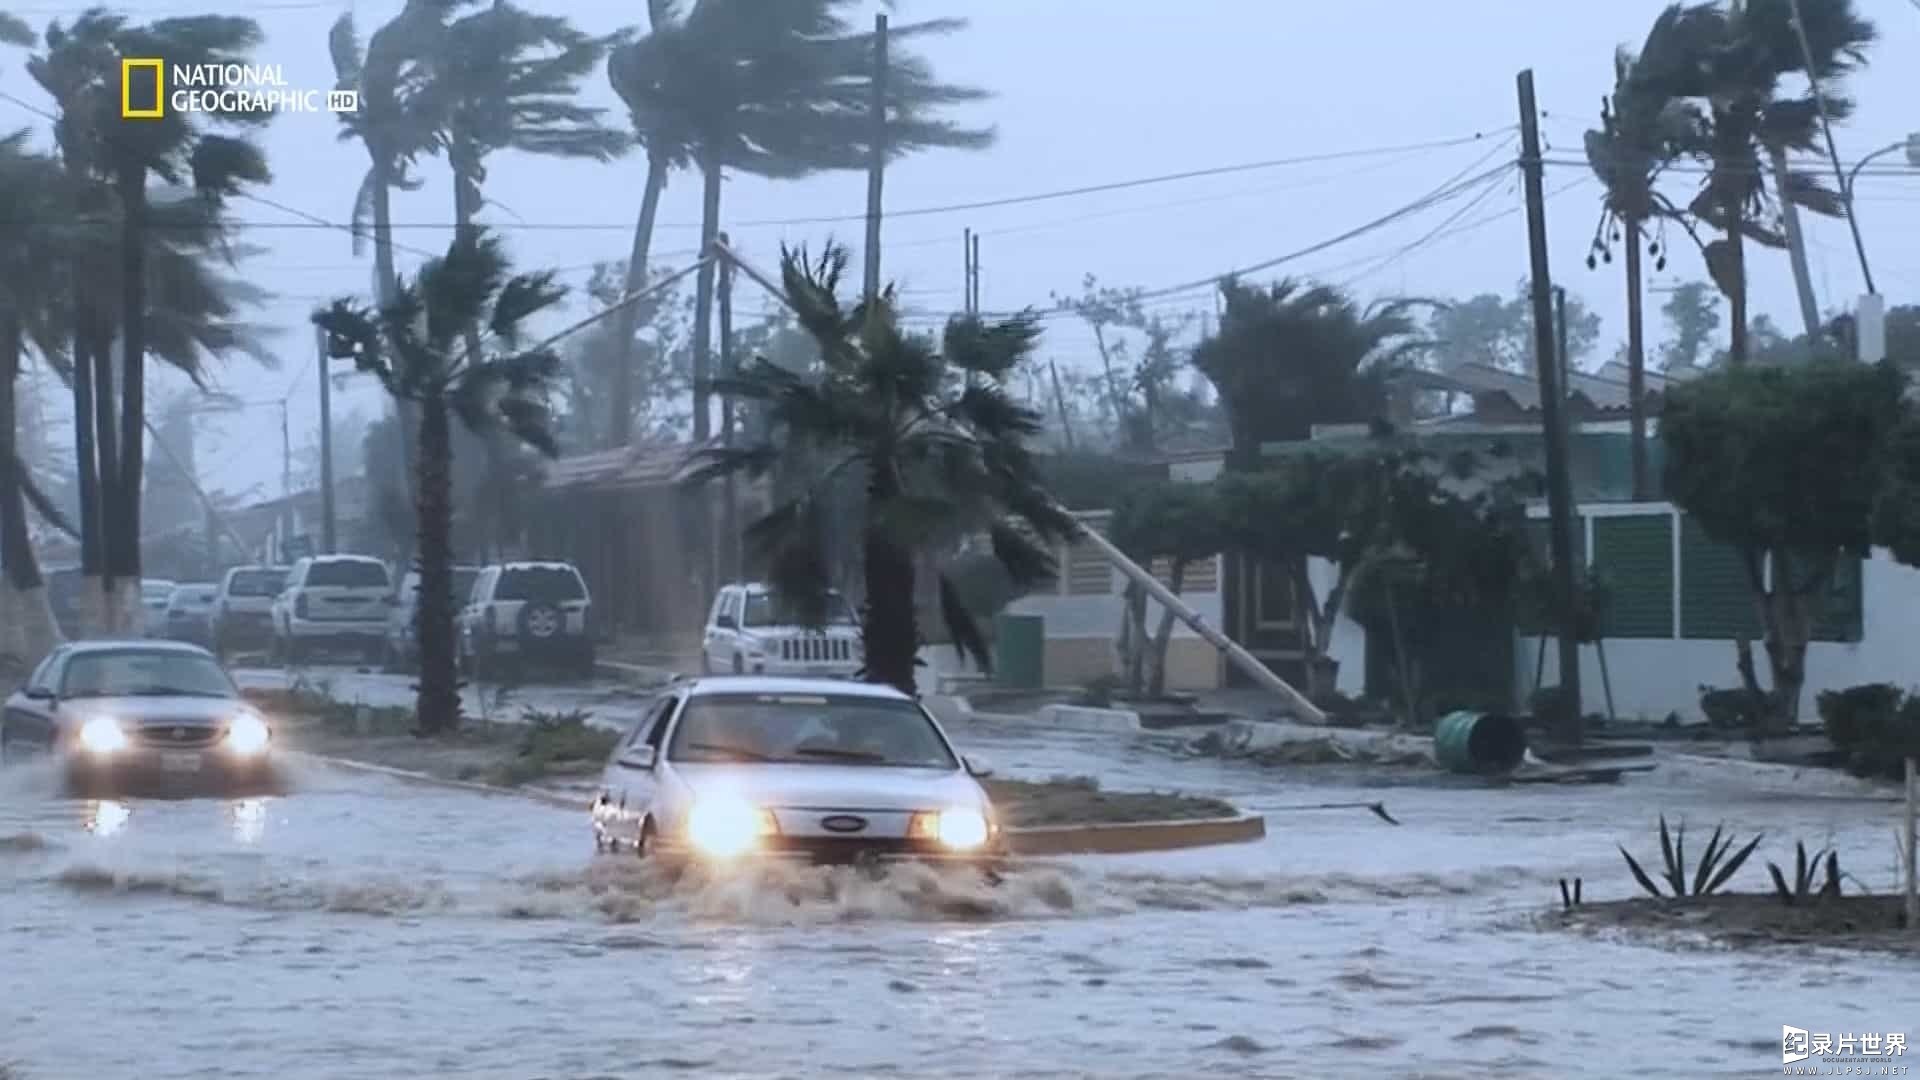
(1144, 89)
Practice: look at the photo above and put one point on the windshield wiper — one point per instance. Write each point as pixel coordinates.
(170, 691)
(736, 752)
(838, 754)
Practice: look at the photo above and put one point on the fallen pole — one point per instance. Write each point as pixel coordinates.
(1379, 809)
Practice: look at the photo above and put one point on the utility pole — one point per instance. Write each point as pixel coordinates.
(973, 287)
(1552, 415)
(1796, 244)
(966, 253)
(286, 472)
(1560, 350)
(729, 495)
(877, 166)
(327, 535)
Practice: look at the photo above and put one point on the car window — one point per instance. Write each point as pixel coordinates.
(193, 596)
(764, 610)
(144, 673)
(658, 734)
(826, 729)
(348, 573)
(256, 582)
(43, 675)
(543, 584)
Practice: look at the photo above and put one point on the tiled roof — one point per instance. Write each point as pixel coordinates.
(1602, 391)
(651, 464)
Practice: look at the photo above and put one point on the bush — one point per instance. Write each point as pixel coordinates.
(1859, 715)
(1730, 709)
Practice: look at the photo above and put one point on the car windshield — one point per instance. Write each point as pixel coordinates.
(256, 583)
(192, 596)
(548, 584)
(764, 610)
(144, 673)
(808, 729)
(348, 573)
(156, 592)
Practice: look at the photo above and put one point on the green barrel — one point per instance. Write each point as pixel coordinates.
(1471, 742)
(1019, 651)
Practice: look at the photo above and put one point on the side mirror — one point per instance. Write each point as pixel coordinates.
(725, 622)
(977, 767)
(639, 757)
(39, 693)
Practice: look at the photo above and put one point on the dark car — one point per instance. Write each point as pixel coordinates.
(243, 612)
(402, 651)
(190, 613)
(126, 717)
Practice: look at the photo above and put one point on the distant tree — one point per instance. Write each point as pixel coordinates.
(655, 366)
(1176, 521)
(415, 347)
(1498, 332)
(1144, 395)
(1693, 314)
(1783, 464)
(930, 431)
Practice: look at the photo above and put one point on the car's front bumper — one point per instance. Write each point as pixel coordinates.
(839, 852)
(141, 769)
(801, 669)
(338, 631)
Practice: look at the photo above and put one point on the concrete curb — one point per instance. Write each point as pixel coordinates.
(550, 798)
(619, 670)
(1120, 838)
(1083, 718)
(1130, 838)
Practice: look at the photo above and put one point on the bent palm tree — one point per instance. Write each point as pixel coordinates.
(929, 429)
(415, 346)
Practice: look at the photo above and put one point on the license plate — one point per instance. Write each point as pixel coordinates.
(179, 762)
(820, 669)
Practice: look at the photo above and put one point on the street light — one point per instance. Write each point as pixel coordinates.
(1911, 144)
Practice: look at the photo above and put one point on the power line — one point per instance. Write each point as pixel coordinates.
(1430, 236)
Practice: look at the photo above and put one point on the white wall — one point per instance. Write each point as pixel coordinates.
(1654, 676)
(1349, 644)
(1099, 616)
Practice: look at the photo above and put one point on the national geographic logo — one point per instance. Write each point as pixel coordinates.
(150, 88)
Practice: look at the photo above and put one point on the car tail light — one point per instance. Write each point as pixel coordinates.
(300, 606)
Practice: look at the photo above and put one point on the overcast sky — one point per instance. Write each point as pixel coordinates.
(1143, 89)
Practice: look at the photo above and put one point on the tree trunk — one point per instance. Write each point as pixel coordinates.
(627, 322)
(1737, 293)
(1163, 634)
(27, 631)
(1637, 367)
(889, 631)
(387, 285)
(124, 554)
(1788, 626)
(438, 702)
(1137, 642)
(86, 471)
(107, 454)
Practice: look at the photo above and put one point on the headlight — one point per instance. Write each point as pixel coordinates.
(103, 735)
(248, 734)
(726, 826)
(960, 829)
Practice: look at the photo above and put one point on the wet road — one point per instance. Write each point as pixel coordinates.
(366, 928)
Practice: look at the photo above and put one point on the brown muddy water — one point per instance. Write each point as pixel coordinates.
(366, 928)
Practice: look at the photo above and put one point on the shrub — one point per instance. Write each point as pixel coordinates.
(1804, 870)
(1739, 708)
(1713, 870)
(1859, 715)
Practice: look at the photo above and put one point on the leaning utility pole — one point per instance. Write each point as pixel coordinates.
(973, 284)
(1552, 416)
(327, 536)
(729, 494)
(966, 255)
(877, 164)
(1796, 244)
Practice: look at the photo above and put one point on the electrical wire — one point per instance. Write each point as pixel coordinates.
(1432, 234)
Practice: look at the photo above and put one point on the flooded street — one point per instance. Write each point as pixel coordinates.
(363, 927)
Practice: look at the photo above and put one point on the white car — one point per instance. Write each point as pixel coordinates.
(731, 767)
(333, 602)
(154, 595)
(748, 633)
(523, 613)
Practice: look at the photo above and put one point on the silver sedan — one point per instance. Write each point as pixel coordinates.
(127, 716)
(733, 767)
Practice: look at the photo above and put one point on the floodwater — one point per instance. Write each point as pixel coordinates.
(367, 928)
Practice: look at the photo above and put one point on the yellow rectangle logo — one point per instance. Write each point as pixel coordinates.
(128, 70)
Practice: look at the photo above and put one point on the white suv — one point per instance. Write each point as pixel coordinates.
(748, 633)
(528, 612)
(332, 602)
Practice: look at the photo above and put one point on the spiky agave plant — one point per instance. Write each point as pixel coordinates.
(1804, 871)
(1715, 868)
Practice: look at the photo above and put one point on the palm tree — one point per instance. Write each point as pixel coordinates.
(415, 345)
(32, 312)
(931, 431)
(1642, 131)
(114, 159)
(1296, 354)
(1733, 60)
(772, 90)
(507, 79)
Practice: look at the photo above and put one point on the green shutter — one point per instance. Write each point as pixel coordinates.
(1838, 615)
(1634, 558)
(1716, 596)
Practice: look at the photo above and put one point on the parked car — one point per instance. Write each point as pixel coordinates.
(402, 652)
(527, 613)
(333, 602)
(132, 716)
(190, 613)
(749, 633)
(154, 594)
(730, 767)
(243, 612)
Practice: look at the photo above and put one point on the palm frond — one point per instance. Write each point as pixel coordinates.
(961, 627)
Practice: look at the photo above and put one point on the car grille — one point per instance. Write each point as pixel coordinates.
(849, 848)
(816, 650)
(178, 736)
